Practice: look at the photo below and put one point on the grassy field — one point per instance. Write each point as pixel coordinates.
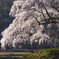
(12, 55)
(52, 53)
(2, 53)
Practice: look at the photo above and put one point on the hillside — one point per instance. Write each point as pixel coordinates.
(44, 54)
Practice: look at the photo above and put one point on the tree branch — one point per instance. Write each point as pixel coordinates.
(46, 21)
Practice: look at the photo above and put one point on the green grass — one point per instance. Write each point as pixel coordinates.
(3, 55)
(44, 54)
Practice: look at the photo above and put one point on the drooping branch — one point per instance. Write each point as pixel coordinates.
(50, 19)
(42, 14)
(37, 20)
(44, 22)
(46, 11)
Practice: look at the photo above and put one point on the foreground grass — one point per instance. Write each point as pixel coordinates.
(44, 54)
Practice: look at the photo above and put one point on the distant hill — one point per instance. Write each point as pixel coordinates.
(5, 8)
(5, 19)
(44, 54)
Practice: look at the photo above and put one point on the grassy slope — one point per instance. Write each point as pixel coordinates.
(44, 54)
